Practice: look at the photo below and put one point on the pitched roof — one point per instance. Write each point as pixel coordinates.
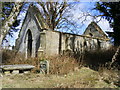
(97, 28)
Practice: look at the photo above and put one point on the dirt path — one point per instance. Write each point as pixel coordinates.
(83, 78)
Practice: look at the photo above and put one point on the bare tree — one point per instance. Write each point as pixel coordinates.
(8, 21)
(56, 14)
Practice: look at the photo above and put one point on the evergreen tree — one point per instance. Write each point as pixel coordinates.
(111, 12)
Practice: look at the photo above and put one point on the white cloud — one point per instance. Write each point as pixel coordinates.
(104, 24)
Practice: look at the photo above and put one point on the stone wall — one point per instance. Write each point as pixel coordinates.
(54, 42)
(35, 39)
(49, 43)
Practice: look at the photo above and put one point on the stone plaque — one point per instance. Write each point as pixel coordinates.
(44, 67)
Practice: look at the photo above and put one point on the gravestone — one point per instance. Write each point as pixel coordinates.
(44, 67)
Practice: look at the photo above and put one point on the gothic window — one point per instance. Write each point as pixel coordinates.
(29, 43)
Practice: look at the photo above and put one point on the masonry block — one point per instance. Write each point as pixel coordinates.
(15, 72)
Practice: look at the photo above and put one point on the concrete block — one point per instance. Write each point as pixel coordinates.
(7, 73)
(26, 72)
(15, 72)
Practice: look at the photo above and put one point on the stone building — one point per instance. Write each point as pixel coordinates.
(36, 39)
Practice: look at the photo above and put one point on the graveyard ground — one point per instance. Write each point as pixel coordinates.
(80, 78)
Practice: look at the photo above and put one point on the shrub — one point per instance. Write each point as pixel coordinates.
(62, 64)
(96, 58)
(9, 56)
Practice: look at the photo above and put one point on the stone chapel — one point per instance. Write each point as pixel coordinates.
(36, 39)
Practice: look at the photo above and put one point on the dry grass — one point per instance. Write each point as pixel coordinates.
(83, 78)
(58, 64)
(109, 75)
(12, 57)
(62, 64)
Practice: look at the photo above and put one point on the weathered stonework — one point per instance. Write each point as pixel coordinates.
(34, 40)
(58, 43)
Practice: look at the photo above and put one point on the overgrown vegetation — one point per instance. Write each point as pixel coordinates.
(64, 64)
(83, 78)
(58, 64)
(96, 58)
(110, 76)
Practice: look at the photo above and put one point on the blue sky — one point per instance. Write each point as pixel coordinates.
(86, 8)
(79, 15)
(21, 16)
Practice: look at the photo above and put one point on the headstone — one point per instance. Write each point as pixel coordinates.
(44, 67)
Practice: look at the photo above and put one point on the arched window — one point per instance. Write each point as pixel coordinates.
(29, 43)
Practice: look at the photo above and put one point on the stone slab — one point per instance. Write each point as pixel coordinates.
(17, 67)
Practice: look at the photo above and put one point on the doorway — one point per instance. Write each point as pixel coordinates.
(29, 44)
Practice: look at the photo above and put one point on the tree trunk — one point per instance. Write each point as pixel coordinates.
(10, 20)
(116, 32)
(116, 36)
(116, 57)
